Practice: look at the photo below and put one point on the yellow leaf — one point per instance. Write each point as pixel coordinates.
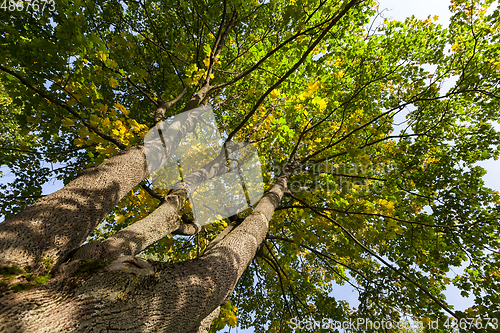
(120, 219)
(322, 103)
(121, 108)
(105, 122)
(78, 142)
(104, 108)
(454, 46)
(112, 82)
(106, 151)
(206, 62)
(143, 133)
(387, 204)
(134, 124)
(102, 55)
(311, 88)
(274, 94)
(233, 321)
(66, 122)
(435, 17)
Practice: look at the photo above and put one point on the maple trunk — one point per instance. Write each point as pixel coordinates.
(130, 294)
(61, 221)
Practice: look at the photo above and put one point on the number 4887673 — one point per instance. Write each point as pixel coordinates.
(468, 323)
(34, 5)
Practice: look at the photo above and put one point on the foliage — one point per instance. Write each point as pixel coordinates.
(14, 273)
(10, 270)
(389, 208)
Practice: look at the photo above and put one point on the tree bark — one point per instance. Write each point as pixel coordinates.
(138, 296)
(135, 238)
(204, 326)
(165, 220)
(59, 223)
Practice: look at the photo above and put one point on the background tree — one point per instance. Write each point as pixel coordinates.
(351, 197)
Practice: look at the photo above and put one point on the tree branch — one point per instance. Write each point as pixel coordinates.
(160, 112)
(396, 270)
(293, 69)
(47, 153)
(65, 106)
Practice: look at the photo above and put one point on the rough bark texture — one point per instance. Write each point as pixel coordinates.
(61, 221)
(130, 294)
(204, 326)
(135, 238)
(135, 296)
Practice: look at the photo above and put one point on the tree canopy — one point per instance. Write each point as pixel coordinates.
(383, 122)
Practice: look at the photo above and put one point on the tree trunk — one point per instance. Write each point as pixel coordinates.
(165, 220)
(134, 295)
(59, 223)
